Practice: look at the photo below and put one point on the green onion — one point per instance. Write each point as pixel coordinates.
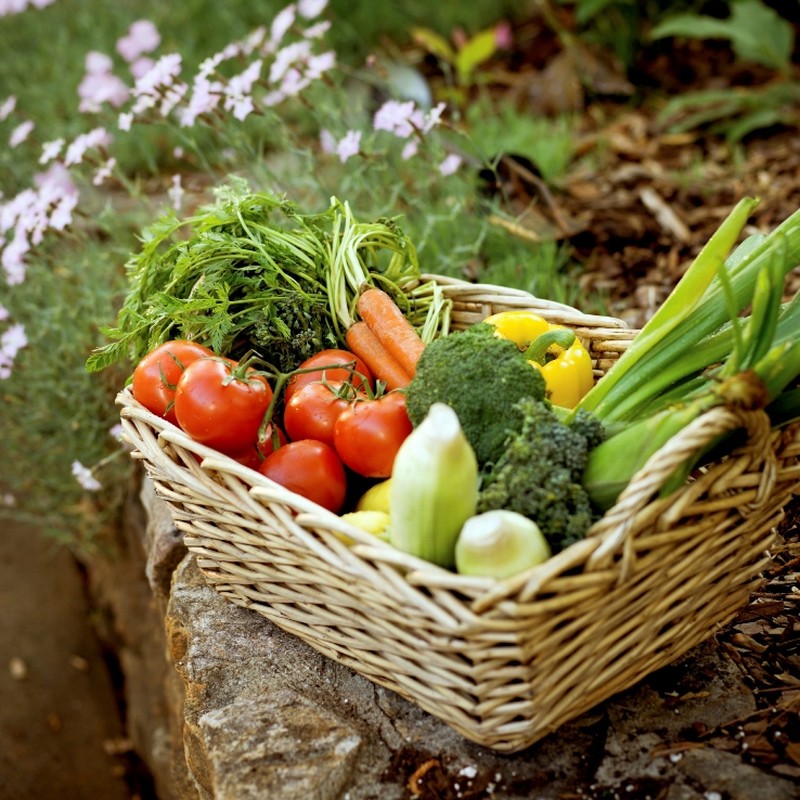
(666, 351)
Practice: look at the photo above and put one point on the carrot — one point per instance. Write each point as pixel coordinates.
(389, 324)
(363, 343)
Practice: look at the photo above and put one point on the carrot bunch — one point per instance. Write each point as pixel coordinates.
(384, 339)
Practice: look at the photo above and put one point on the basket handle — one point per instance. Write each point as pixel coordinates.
(636, 501)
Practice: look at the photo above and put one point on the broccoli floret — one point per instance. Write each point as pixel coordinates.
(481, 377)
(539, 473)
(589, 426)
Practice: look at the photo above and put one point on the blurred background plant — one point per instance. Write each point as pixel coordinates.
(133, 110)
(757, 35)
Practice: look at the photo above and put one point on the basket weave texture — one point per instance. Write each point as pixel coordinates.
(502, 662)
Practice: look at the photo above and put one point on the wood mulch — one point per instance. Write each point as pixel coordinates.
(639, 200)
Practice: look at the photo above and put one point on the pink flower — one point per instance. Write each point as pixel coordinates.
(293, 83)
(253, 41)
(172, 96)
(98, 63)
(116, 432)
(8, 7)
(85, 477)
(433, 117)
(31, 212)
(20, 133)
(97, 88)
(318, 65)
(503, 35)
(150, 87)
(13, 259)
(50, 150)
(141, 66)
(100, 85)
(273, 98)
(7, 107)
(241, 107)
(327, 141)
(317, 31)
(56, 181)
(3, 313)
(206, 96)
(162, 74)
(403, 119)
(311, 8)
(17, 208)
(61, 215)
(237, 92)
(143, 37)
(210, 64)
(286, 57)
(280, 25)
(410, 149)
(176, 192)
(97, 138)
(395, 117)
(349, 145)
(11, 342)
(243, 83)
(450, 164)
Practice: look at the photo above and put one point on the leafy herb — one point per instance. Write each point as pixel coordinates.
(235, 280)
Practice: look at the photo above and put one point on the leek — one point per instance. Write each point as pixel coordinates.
(663, 353)
(698, 351)
(612, 464)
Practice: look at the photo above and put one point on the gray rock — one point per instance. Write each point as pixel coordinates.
(251, 711)
(726, 775)
(706, 689)
(163, 543)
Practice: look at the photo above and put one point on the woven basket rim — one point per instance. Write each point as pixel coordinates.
(308, 513)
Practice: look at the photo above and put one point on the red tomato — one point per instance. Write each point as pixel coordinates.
(157, 374)
(255, 453)
(369, 433)
(313, 410)
(311, 469)
(324, 359)
(219, 408)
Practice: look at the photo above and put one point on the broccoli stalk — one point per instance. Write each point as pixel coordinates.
(481, 377)
(540, 470)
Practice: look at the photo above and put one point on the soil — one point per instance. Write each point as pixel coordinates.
(635, 218)
(61, 725)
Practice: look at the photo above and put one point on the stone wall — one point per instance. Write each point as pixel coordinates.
(223, 705)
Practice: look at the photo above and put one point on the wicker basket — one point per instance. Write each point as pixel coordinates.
(503, 663)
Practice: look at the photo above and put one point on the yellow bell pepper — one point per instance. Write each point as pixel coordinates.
(553, 349)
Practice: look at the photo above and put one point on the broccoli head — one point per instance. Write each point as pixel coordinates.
(481, 377)
(539, 473)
